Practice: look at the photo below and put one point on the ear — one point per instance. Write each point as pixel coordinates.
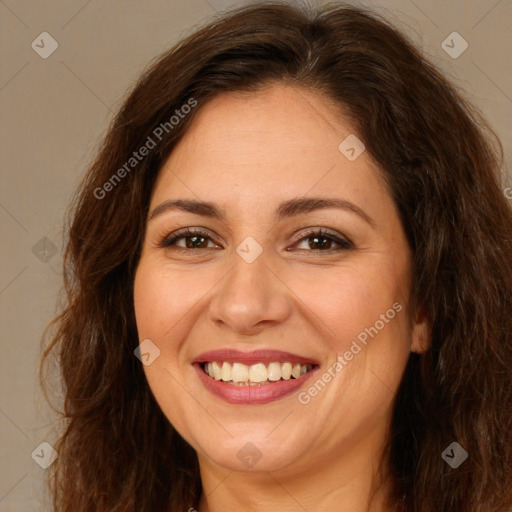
(421, 332)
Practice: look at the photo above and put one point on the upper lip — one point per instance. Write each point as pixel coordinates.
(231, 355)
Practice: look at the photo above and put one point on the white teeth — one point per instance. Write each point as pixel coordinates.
(274, 371)
(225, 373)
(286, 371)
(256, 374)
(217, 372)
(239, 373)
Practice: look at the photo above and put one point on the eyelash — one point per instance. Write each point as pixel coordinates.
(343, 243)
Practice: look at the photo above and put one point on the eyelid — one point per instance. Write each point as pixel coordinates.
(305, 232)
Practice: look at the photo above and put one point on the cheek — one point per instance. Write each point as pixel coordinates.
(163, 299)
(161, 302)
(348, 299)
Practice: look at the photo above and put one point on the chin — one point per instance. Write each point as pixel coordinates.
(255, 453)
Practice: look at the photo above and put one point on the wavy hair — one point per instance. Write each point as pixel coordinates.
(441, 161)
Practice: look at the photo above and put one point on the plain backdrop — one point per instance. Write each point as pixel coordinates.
(55, 110)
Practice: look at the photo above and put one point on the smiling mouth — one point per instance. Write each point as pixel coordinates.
(259, 374)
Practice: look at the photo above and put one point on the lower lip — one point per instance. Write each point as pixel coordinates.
(250, 395)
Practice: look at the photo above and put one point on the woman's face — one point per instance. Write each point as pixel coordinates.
(262, 294)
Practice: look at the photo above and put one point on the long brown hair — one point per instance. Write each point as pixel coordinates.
(118, 452)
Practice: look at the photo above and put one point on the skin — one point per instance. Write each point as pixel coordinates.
(247, 153)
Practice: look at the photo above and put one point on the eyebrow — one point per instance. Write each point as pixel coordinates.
(289, 208)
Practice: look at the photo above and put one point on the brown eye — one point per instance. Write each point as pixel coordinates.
(194, 239)
(323, 241)
(318, 240)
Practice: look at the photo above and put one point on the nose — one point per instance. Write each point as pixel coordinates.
(250, 297)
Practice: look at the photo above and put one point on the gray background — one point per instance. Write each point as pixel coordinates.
(54, 113)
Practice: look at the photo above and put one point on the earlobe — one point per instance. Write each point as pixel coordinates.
(421, 332)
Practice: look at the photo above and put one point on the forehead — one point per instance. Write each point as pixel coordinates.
(274, 144)
(241, 127)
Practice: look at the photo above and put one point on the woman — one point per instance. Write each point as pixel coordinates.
(289, 285)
